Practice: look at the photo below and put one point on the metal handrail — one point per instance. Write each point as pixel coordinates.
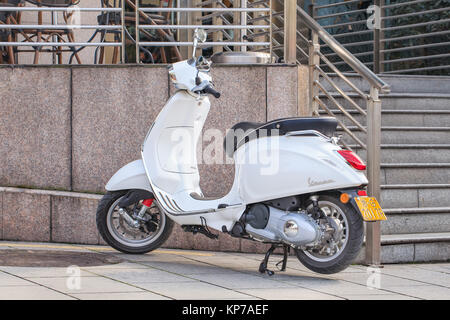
(217, 12)
(308, 33)
(396, 22)
(343, 53)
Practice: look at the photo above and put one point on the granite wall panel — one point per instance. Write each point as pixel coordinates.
(73, 218)
(113, 109)
(26, 215)
(35, 127)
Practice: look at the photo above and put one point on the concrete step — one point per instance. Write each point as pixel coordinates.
(410, 153)
(396, 101)
(409, 118)
(403, 135)
(415, 238)
(407, 173)
(398, 83)
(414, 247)
(416, 220)
(415, 195)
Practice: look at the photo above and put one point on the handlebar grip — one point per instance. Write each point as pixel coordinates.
(210, 90)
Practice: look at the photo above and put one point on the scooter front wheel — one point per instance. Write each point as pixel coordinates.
(341, 246)
(152, 231)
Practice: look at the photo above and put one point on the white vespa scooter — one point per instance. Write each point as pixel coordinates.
(294, 187)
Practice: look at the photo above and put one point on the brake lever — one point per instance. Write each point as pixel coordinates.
(201, 86)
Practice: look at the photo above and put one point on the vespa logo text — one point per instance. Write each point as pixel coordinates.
(313, 183)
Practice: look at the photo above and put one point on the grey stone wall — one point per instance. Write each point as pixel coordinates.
(70, 128)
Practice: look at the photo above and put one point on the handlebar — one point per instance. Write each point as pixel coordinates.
(211, 90)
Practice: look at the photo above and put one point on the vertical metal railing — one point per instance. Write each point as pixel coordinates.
(237, 43)
(238, 25)
(332, 92)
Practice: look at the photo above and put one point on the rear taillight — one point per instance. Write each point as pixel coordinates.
(352, 159)
(362, 193)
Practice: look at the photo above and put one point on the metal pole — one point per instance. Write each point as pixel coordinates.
(290, 31)
(243, 22)
(122, 18)
(54, 38)
(373, 232)
(381, 37)
(237, 20)
(217, 35)
(377, 37)
(314, 60)
(137, 31)
(270, 30)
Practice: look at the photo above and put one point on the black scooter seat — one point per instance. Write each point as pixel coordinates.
(243, 132)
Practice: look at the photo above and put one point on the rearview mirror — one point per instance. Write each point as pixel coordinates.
(200, 34)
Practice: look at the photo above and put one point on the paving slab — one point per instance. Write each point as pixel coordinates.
(120, 296)
(26, 272)
(122, 265)
(189, 268)
(439, 267)
(423, 292)
(192, 274)
(419, 275)
(193, 290)
(290, 294)
(136, 276)
(154, 256)
(336, 287)
(32, 293)
(378, 297)
(87, 285)
(7, 280)
(385, 282)
(242, 281)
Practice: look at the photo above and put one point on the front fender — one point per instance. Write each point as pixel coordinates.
(130, 176)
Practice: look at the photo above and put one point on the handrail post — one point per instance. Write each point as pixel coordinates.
(314, 60)
(217, 35)
(290, 31)
(237, 18)
(271, 5)
(137, 31)
(243, 22)
(373, 230)
(377, 37)
(122, 20)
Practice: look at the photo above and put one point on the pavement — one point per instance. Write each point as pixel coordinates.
(186, 274)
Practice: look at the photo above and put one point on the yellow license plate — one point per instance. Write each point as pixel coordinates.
(370, 209)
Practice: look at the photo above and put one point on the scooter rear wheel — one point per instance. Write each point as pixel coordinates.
(151, 233)
(339, 250)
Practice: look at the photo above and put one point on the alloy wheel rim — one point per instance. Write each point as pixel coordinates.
(134, 237)
(334, 212)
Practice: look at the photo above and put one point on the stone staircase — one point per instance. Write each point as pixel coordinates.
(415, 166)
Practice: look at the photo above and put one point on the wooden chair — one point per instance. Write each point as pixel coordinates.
(149, 54)
(7, 53)
(38, 35)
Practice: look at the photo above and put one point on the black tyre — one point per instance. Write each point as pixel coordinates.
(339, 251)
(151, 233)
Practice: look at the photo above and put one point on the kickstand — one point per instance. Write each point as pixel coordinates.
(263, 265)
(286, 250)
